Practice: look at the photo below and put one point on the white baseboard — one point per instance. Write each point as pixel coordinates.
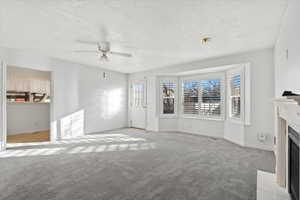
(168, 130)
(266, 148)
(199, 133)
(1, 146)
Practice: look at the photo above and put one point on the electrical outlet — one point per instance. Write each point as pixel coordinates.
(262, 137)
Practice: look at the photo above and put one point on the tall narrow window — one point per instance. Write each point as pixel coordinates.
(168, 97)
(235, 96)
(210, 97)
(191, 97)
(138, 94)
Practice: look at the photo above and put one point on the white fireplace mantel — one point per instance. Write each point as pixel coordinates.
(287, 113)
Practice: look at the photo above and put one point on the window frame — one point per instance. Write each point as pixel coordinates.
(245, 94)
(139, 100)
(199, 78)
(241, 95)
(161, 81)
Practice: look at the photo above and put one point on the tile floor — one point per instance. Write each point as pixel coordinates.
(267, 188)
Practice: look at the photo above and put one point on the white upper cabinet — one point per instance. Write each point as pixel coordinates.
(27, 84)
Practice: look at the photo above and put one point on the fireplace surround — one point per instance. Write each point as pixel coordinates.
(293, 163)
(286, 144)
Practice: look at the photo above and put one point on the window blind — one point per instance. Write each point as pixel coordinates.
(210, 97)
(202, 97)
(191, 97)
(235, 96)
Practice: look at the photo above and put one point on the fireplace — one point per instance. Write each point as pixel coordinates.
(293, 158)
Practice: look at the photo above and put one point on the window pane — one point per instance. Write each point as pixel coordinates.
(168, 89)
(235, 87)
(168, 95)
(236, 107)
(138, 94)
(190, 101)
(210, 97)
(168, 106)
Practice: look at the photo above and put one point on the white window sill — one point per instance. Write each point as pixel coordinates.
(168, 116)
(202, 118)
(237, 121)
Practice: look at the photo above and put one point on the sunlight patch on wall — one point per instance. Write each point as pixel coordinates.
(72, 125)
(112, 103)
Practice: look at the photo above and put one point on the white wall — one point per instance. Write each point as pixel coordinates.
(287, 70)
(262, 94)
(168, 124)
(104, 100)
(234, 132)
(78, 88)
(202, 127)
(27, 117)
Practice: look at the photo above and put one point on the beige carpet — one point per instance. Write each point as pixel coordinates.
(132, 164)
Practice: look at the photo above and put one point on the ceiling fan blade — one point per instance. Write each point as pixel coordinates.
(120, 54)
(103, 33)
(87, 42)
(86, 51)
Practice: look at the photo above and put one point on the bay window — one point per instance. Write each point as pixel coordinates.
(203, 96)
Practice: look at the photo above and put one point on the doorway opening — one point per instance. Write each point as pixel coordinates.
(28, 99)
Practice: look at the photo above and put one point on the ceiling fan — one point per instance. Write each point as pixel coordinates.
(103, 50)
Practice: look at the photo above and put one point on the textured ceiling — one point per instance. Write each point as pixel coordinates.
(158, 33)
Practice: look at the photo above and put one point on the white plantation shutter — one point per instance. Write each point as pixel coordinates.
(202, 97)
(190, 97)
(235, 96)
(210, 97)
(168, 94)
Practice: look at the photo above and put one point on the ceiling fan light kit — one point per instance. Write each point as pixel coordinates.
(206, 40)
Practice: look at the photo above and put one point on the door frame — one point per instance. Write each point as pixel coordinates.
(52, 125)
(3, 106)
